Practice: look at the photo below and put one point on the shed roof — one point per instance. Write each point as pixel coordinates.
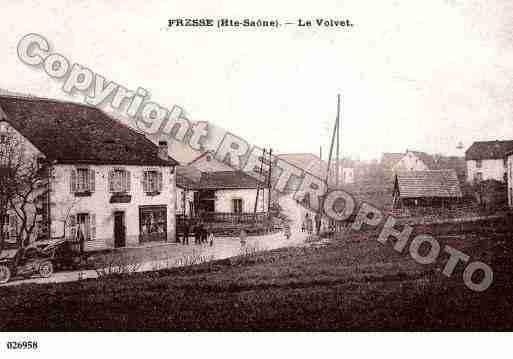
(418, 184)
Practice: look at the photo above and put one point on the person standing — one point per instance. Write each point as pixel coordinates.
(286, 229)
(309, 224)
(317, 219)
(211, 236)
(243, 236)
(185, 238)
(197, 233)
(203, 236)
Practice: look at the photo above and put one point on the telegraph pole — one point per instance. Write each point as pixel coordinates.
(258, 185)
(269, 181)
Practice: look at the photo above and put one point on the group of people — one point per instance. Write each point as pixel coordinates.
(202, 234)
(308, 224)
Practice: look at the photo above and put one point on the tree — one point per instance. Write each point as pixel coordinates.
(24, 184)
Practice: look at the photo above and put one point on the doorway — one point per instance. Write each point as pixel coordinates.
(119, 229)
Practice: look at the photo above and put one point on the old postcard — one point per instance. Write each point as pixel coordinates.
(221, 166)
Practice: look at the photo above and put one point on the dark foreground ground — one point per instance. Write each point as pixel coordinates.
(351, 284)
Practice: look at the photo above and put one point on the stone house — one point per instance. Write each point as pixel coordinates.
(108, 182)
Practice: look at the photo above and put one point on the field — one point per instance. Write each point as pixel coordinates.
(355, 283)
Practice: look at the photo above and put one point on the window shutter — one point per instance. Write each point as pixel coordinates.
(13, 225)
(145, 181)
(128, 180)
(92, 179)
(92, 226)
(111, 181)
(73, 181)
(159, 181)
(72, 224)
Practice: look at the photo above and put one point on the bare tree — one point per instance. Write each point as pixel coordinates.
(24, 184)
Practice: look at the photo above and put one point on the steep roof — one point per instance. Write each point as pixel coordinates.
(187, 176)
(73, 133)
(227, 180)
(389, 159)
(484, 150)
(452, 162)
(417, 184)
(217, 180)
(206, 162)
(308, 162)
(426, 158)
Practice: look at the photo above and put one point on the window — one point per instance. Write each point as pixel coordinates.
(10, 228)
(152, 182)
(505, 162)
(119, 181)
(479, 176)
(82, 180)
(152, 223)
(82, 225)
(479, 163)
(237, 205)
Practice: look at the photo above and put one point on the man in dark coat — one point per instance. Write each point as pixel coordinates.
(185, 238)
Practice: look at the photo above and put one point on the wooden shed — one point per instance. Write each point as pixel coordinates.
(437, 188)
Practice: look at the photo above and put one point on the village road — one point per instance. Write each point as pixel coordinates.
(176, 254)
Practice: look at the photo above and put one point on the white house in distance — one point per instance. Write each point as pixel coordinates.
(487, 160)
(509, 174)
(408, 161)
(109, 182)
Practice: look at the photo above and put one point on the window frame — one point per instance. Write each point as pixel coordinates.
(234, 206)
(124, 180)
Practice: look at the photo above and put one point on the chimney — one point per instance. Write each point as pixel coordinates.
(163, 155)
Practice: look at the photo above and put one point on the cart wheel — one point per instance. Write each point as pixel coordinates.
(46, 269)
(5, 274)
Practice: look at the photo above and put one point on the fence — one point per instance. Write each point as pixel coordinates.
(228, 218)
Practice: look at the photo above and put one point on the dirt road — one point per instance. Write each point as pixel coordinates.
(174, 255)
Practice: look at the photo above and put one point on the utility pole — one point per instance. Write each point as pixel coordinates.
(338, 142)
(258, 185)
(269, 181)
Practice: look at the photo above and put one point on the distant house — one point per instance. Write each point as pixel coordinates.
(389, 160)
(455, 163)
(426, 188)
(318, 167)
(108, 182)
(346, 171)
(218, 192)
(408, 161)
(487, 160)
(230, 192)
(206, 162)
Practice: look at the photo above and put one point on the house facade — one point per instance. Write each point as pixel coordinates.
(408, 161)
(229, 192)
(108, 184)
(486, 160)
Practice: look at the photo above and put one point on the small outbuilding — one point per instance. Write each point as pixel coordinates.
(437, 188)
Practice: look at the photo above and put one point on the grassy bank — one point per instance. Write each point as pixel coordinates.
(356, 283)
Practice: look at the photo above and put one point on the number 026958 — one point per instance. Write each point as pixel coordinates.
(22, 345)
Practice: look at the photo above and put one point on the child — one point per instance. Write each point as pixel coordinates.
(211, 237)
(286, 230)
(243, 237)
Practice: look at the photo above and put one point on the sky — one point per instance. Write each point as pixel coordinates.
(419, 75)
